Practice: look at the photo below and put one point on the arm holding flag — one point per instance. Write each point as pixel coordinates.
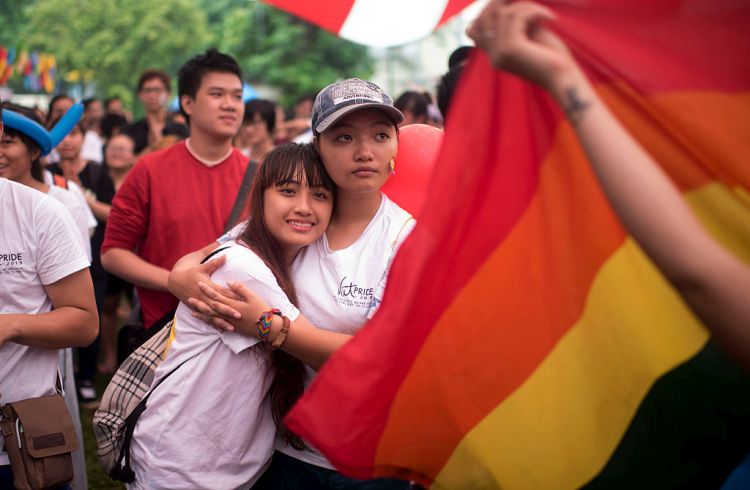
(712, 281)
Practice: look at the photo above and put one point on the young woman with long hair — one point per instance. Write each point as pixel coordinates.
(210, 424)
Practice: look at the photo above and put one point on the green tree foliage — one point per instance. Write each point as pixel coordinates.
(11, 21)
(283, 51)
(115, 40)
(112, 41)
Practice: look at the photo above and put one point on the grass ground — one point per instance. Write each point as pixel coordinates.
(98, 480)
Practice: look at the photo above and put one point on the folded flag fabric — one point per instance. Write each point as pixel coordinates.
(524, 340)
(378, 23)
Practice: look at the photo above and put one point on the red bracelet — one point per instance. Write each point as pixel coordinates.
(264, 322)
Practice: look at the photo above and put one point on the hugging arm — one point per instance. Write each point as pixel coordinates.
(189, 271)
(714, 283)
(309, 344)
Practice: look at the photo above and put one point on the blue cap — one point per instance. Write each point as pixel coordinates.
(45, 139)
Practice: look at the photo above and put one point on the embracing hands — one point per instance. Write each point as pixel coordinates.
(228, 309)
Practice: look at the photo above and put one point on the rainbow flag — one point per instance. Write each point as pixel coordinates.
(525, 341)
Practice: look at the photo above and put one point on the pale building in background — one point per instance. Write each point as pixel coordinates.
(418, 66)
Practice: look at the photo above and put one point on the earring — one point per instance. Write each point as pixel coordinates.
(392, 165)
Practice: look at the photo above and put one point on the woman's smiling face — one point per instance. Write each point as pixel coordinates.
(295, 214)
(15, 158)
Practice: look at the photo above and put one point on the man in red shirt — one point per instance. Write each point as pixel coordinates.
(178, 199)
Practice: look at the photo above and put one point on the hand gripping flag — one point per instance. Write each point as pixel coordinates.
(378, 23)
(525, 341)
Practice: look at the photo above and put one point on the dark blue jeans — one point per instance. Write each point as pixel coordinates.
(6, 479)
(287, 473)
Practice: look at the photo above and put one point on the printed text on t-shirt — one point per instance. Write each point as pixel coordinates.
(352, 294)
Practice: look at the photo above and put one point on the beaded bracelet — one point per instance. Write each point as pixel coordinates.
(264, 322)
(281, 336)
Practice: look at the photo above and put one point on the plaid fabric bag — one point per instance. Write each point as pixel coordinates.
(126, 395)
(127, 390)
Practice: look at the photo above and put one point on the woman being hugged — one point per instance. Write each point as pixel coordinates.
(210, 424)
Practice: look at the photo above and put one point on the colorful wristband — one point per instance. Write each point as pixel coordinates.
(264, 322)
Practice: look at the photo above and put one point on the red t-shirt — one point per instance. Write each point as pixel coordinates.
(171, 204)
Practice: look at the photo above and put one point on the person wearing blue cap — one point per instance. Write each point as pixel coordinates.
(46, 293)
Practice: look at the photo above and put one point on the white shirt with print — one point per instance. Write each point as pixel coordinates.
(39, 245)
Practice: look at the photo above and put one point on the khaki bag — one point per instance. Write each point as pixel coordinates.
(39, 437)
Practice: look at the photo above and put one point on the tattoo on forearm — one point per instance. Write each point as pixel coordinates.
(574, 105)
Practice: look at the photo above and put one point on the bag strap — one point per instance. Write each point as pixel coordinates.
(208, 257)
(123, 472)
(244, 190)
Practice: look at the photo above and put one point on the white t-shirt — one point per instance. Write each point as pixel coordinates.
(209, 424)
(78, 193)
(77, 212)
(39, 245)
(92, 147)
(340, 290)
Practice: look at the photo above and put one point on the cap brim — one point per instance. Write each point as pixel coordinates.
(331, 119)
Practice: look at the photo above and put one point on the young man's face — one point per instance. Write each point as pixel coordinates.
(153, 95)
(217, 108)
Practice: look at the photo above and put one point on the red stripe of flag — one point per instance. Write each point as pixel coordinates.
(329, 14)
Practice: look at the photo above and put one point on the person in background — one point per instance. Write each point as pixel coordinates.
(154, 90)
(113, 124)
(113, 105)
(119, 158)
(177, 130)
(58, 105)
(446, 87)
(298, 127)
(93, 143)
(459, 57)
(414, 107)
(178, 199)
(99, 191)
(257, 128)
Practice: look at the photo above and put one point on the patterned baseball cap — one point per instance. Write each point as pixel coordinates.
(340, 98)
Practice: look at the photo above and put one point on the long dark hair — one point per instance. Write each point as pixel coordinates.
(287, 162)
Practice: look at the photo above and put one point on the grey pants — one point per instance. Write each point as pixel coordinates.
(65, 365)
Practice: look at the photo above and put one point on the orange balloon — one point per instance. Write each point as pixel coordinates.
(418, 148)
